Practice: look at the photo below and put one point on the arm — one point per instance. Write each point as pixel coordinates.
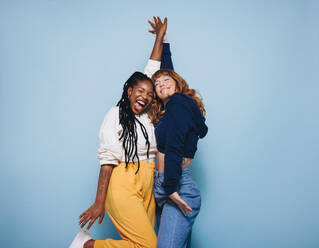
(178, 128)
(160, 30)
(154, 62)
(97, 209)
(109, 154)
(166, 62)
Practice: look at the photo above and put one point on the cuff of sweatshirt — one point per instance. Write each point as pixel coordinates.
(151, 67)
(170, 189)
(109, 161)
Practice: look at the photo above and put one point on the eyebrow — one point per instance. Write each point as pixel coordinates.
(140, 87)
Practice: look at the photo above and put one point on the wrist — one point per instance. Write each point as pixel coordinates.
(165, 39)
(99, 203)
(173, 194)
(159, 38)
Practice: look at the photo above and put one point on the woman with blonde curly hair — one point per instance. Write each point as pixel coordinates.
(178, 116)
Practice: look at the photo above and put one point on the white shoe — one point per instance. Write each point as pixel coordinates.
(80, 239)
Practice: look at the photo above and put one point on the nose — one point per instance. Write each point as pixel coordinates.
(161, 84)
(144, 95)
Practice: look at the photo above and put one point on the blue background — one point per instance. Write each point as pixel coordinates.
(63, 64)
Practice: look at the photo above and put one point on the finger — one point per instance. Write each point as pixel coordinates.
(152, 23)
(90, 224)
(84, 213)
(82, 219)
(101, 219)
(152, 31)
(188, 208)
(84, 223)
(156, 22)
(165, 21)
(182, 209)
(159, 20)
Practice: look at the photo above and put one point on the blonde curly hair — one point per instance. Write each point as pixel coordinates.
(157, 109)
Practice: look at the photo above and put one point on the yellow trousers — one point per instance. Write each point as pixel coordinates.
(130, 203)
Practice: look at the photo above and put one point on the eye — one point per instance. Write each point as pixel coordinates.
(157, 83)
(166, 79)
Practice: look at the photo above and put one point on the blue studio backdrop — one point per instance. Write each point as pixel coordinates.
(63, 65)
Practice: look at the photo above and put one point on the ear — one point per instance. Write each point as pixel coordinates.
(129, 91)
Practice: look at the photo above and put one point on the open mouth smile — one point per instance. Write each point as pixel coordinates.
(141, 103)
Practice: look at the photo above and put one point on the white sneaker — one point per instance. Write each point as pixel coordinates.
(80, 239)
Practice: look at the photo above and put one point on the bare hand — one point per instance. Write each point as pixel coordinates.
(95, 211)
(159, 27)
(183, 206)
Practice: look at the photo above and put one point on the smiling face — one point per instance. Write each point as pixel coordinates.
(140, 96)
(165, 87)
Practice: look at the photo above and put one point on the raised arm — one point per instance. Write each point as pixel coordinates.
(159, 30)
(166, 62)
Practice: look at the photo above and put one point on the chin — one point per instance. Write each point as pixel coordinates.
(163, 97)
(139, 112)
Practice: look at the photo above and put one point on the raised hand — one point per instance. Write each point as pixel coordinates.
(158, 27)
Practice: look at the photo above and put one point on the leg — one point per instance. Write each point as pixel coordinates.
(126, 208)
(188, 245)
(158, 216)
(175, 228)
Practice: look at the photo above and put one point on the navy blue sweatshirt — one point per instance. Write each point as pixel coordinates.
(177, 135)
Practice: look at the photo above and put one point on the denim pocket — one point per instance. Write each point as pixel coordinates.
(159, 192)
(189, 190)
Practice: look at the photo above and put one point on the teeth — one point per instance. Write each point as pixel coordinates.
(142, 103)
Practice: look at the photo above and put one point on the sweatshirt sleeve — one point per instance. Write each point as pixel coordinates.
(179, 119)
(151, 67)
(110, 151)
(166, 62)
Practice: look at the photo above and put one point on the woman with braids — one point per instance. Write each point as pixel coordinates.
(127, 158)
(178, 116)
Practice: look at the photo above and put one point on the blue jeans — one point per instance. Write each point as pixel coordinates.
(174, 228)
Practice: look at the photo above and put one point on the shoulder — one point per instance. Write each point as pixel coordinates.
(112, 114)
(179, 107)
(182, 108)
(113, 111)
(180, 101)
